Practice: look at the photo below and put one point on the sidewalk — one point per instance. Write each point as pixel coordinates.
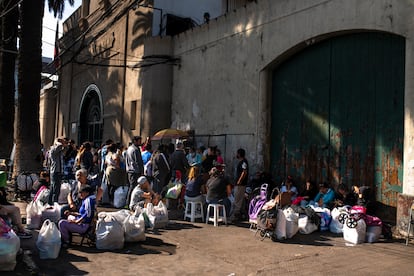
(185, 248)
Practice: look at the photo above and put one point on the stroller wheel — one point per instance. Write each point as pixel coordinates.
(351, 222)
(262, 233)
(342, 217)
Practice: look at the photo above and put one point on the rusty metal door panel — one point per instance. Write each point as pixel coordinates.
(300, 122)
(337, 113)
(389, 109)
(352, 120)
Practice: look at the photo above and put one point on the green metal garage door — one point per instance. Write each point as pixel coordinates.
(338, 113)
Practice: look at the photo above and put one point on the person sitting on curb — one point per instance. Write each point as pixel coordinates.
(12, 212)
(325, 197)
(289, 188)
(43, 192)
(344, 197)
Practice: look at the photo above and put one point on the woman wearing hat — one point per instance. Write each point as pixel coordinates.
(78, 222)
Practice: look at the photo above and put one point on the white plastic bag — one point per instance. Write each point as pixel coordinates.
(48, 242)
(119, 216)
(34, 214)
(109, 232)
(335, 226)
(355, 235)
(120, 196)
(9, 246)
(51, 213)
(105, 194)
(160, 212)
(373, 233)
(134, 227)
(306, 226)
(291, 222)
(280, 225)
(65, 188)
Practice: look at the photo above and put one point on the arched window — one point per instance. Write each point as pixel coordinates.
(90, 118)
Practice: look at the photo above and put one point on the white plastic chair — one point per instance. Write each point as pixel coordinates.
(216, 218)
(194, 210)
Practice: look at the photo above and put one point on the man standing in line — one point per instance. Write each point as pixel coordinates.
(241, 178)
(179, 162)
(134, 164)
(56, 168)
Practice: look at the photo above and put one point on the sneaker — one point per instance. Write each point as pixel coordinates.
(24, 235)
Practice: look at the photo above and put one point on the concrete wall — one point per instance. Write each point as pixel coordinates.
(107, 59)
(227, 61)
(47, 113)
(222, 85)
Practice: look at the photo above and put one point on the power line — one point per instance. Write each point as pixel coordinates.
(54, 30)
(12, 8)
(48, 43)
(138, 65)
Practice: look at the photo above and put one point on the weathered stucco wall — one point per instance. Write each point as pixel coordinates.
(113, 48)
(228, 61)
(47, 113)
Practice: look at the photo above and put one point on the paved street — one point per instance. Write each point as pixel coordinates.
(185, 248)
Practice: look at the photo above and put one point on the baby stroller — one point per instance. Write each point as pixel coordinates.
(351, 217)
(256, 204)
(267, 217)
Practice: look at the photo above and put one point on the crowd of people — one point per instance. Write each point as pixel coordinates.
(325, 196)
(97, 173)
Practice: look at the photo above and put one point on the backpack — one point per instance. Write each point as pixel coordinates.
(257, 202)
(266, 219)
(25, 181)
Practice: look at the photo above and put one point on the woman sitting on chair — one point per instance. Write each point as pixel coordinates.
(195, 189)
(78, 222)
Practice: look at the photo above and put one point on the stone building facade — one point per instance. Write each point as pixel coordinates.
(319, 89)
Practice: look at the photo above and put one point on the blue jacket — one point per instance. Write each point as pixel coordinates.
(326, 198)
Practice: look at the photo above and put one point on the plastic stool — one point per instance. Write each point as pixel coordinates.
(192, 212)
(216, 218)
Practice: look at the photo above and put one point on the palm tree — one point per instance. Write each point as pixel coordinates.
(8, 54)
(30, 65)
(58, 7)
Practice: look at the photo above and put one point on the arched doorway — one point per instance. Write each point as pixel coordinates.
(338, 113)
(90, 117)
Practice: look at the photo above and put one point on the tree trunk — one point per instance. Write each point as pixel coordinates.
(8, 55)
(28, 145)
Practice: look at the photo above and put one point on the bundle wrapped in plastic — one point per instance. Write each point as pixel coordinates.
(109, 232)
(49, 240)
(9, 246)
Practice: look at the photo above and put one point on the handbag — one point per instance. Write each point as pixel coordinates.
(284, 199)
(174, 190)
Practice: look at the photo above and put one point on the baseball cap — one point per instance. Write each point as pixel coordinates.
(141, 180)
